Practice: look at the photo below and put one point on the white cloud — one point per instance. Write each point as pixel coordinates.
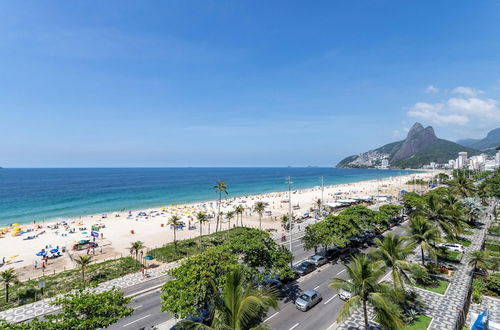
(467, 108)
(467, 91)
(432, 89)
(436, 114)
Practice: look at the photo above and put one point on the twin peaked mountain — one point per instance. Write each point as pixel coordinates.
(420, 147)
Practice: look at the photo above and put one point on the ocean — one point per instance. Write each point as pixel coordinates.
(41, 194)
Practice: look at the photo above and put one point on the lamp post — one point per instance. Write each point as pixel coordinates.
(289, 182)
(322, 191)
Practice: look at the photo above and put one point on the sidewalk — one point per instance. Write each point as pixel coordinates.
(446, 310)
(39, 308)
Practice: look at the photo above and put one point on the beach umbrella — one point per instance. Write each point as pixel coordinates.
(41, 254)
(149, 258)
(83, 241)
(14, 256)
(54, 251)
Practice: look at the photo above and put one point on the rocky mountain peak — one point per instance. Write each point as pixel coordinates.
(418, 138)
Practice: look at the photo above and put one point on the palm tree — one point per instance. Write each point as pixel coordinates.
(229, 216)
(319, 203)
(135, 247)
(393, 252)
(284, 220)
(480, 259)
(240, 307)
(259, 207)
(463, 186)
(201, 217)
(220, 187)
(364, 277)
(423, 233)
(239, 211)
(435, 211)
(83, 262)
(8, 277)
(174, 221)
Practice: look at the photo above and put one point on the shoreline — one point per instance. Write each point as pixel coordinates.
(122, 228)
(189, 202)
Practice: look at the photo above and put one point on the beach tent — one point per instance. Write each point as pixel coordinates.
(481, 322)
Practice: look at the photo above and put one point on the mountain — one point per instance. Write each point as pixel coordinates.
(420, 147)
(492, 140)
(467, 142)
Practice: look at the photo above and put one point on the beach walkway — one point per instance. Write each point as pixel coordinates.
(449, 310)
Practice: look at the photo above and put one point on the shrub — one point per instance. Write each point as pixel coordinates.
(493, 283)
(478, 289)
(421, 276)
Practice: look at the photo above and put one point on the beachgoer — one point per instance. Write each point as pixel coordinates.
(35, 264)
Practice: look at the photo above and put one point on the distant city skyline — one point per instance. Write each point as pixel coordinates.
(211, 83)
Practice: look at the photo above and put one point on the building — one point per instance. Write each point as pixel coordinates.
(497, 159)
(461, 162)
(385, 163)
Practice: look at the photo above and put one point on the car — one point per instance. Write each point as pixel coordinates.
(318, 260)
(345, 294)
(304, 268)
(307, 300)
(453, 247)
(272, 283)
(331, 253)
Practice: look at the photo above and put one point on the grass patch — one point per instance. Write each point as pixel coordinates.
(464, 241)
(439, 287)
(493, 248)
(468, 232)
(421, 323)
(452, 256)
(494, 230)
(25, 292)
(189, 247)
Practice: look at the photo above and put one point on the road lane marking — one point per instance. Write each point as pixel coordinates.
(296, 325)
(142, 318)
(316, 287)
(270, 317)
(137, 306)
(341, 272)
(326, 302)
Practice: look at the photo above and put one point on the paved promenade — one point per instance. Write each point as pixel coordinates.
(445, 310)
(39, 308)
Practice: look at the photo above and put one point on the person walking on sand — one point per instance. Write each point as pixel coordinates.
(35, 264)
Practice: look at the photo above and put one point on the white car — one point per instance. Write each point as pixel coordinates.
(345, 295)
(453, 247)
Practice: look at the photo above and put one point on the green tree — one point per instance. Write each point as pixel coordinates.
(135, 247)
(259, 207)
(240, 306)
(220, 187)
(8, 277)
(229, 216)
(319, 203)
(480, 259)
(239, 209)
(86, 310)
(364, 284)
(393, 251)
(463, 186)
(83, 262)
(190, 288)
(435, 211)
(201, 217)
(174, 221)
(424, 234)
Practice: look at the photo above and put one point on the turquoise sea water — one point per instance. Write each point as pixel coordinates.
(41, 194)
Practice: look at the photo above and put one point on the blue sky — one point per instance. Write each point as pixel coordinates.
(227, 83)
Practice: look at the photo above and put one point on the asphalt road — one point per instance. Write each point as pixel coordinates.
(321, 317)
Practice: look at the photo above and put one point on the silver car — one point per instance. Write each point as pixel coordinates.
(318, 260)
(307, 300)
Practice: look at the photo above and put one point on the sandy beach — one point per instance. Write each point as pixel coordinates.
(120, 229)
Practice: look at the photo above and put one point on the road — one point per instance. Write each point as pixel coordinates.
(322, 316)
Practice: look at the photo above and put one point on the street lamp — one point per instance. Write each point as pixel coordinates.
(289, 182)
